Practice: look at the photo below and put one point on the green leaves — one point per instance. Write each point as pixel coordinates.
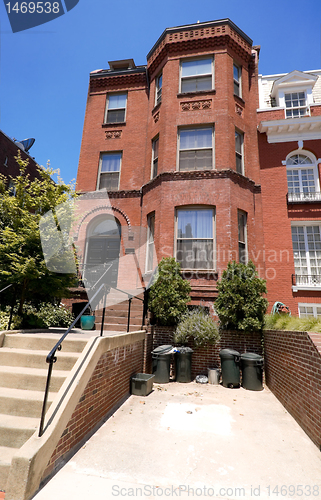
(21, 257)
(198, 327)
(240, 304)
(169, 294)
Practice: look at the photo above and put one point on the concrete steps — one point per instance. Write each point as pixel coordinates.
(23, 375)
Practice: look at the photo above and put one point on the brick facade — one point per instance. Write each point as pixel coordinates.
(256, 111)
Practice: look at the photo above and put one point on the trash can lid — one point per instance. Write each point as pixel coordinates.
(251, 355)
(163, 349)
(229, 353)
(183, 350)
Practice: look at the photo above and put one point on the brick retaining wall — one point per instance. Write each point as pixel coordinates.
(108, 385)
(207, 357)
(293, 374)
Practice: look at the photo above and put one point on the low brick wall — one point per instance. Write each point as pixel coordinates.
(107, 387)
(207, 357)
(293, 374)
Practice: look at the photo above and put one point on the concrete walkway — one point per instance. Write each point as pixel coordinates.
(193, 441)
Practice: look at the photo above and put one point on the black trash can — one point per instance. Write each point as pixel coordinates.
(183, 363)
(252, 371)
(161, 361)
(230, 364)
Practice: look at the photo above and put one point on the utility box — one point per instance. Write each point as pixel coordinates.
(142, 384)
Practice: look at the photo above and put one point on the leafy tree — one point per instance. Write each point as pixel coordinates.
(21, 258)
(169, 294)
(240, 304)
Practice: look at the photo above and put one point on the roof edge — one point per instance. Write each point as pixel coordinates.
(198, 26)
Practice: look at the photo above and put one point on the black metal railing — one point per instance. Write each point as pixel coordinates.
(310, 280)
(303, 197)
(52, 358)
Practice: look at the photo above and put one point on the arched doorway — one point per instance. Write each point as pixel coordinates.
(102, 247)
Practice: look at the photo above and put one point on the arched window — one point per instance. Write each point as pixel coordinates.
(302, 176)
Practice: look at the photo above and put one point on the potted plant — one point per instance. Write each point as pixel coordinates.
(87, 320)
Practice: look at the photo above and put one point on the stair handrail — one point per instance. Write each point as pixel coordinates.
(5, 288)
(52, 358)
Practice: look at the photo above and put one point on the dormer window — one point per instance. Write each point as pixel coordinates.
(295, 104)
(293, 92)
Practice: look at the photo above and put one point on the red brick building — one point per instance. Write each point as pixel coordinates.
(183, 147)
(9, 167)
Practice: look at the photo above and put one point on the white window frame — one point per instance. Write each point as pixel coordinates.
(105, 153)
(154, 157)
(307, 195)
(150, 243)
(237, 81)
(197, 207)
(201, 76)
(111, 94)
(312, 281)
(239, 155)
(158, 89)
(242, 224)
(179, 150)
(314, 308)
(295, 96)
(12, 188)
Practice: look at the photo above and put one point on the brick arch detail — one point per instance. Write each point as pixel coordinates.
(104, 207)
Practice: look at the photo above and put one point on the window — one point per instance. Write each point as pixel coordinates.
(196, 149)
(195, 241)
(197, 75)
(237, 80)
(302, 177)
(309, 310)
(295, 104)
(155, 157)
(150, 242)
(159, 84)
(242, 236)
(6, 161)
(116, 108)
(239, 140)
(306, 241)
(12, 188)
(109, 171)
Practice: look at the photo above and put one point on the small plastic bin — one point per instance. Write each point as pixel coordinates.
(142, 384)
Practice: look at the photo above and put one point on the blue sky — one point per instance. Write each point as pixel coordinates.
(44, 71)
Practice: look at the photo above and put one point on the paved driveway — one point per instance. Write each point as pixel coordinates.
(194, 441)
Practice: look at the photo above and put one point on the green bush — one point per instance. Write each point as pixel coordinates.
(292, 323)
(240, 304)
(196, 326)
(169, 294)
(44, 316)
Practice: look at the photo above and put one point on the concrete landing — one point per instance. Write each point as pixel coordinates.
(193, 441)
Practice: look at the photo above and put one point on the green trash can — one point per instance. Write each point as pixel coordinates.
(252, 371)
(161, 362)
(183, 363)
(230, 364)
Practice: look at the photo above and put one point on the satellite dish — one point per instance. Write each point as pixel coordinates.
(27, 143)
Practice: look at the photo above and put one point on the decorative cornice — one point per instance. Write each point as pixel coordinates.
(117, 81)
(239, 110)
(306, 128)
(195, 175)
(196, 105)
(156, 116)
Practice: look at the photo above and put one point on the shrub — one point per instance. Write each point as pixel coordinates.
(45, 316)
(292, 323)
(240, 304)
(169, 294)
(198, 327)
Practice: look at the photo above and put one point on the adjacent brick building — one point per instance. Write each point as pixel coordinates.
(190, 147)
(9, 167)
